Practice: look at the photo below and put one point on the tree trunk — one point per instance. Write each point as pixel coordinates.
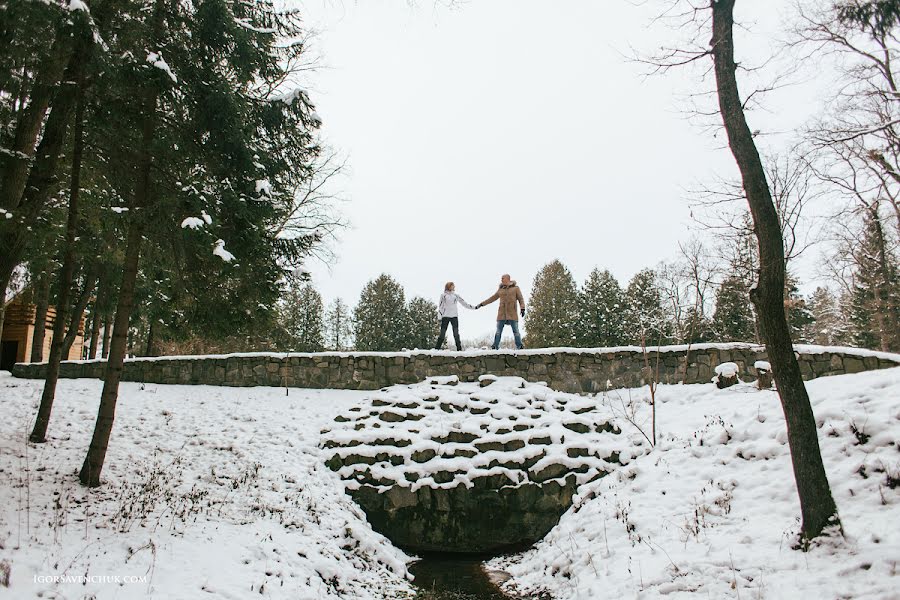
(40, 318)
(90, 282)
(95, 325)
(2, 310)
(149, 350)
(107, 329)
(39, 433)
(816, 503)
(93, 462)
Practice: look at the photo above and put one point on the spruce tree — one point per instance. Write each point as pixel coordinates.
(381, 323)
(864, 331)
(601, 311)
(302, 319)
(553, 308)
(423, 324)
(800, 318)
(827, 327)
(338, 326)
(875, 301)
(645, 320)
(698, 327)
(733, 316)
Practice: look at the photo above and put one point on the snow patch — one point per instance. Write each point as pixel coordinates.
(221, 252)
(727, 369)
(263, 187)
(156, 59)
(291, 96)
(192, 223)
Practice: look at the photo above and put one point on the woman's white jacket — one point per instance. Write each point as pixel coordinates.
(448, 305)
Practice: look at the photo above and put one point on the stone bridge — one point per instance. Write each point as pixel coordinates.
(472, 467)
(576, 370)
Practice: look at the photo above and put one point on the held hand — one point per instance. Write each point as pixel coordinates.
(477, 306)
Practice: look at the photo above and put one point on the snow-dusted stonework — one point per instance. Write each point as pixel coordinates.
(576, 370)
(471, 467)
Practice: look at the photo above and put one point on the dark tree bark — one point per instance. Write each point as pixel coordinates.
(3, 286)
(816, 503)
(93, 462)
(107, 331)
(96, 321)
(66, 276)
(42, 297)
(149, 350)
(90, 282)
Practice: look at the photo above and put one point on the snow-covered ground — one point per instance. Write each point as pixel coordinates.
(712, 511)
(210, 493)
(223, 493)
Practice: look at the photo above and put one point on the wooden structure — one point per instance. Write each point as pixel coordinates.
(18, 334)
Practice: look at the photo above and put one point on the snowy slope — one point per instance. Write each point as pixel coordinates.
(712, 511)
(210, 493)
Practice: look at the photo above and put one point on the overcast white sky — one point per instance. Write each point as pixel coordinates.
(498, 135)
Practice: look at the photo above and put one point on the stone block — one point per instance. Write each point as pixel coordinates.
(854, 364)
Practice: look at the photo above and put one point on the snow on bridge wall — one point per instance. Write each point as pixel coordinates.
(564, 369)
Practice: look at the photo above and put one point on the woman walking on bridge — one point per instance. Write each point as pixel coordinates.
(447, 307)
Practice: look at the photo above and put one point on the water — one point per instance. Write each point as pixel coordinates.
(454, 577)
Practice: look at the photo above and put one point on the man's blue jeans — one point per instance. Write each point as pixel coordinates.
(515, 328)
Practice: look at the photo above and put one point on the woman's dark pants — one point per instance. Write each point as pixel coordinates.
(444, 322)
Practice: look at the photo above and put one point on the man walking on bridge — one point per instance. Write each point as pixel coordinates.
(509, 294)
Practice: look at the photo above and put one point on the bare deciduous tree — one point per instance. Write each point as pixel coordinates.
(816, 503)
(314, 209)
(818, 509)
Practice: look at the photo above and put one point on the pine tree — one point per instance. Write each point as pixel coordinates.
(645, 320)
(423, 324)
(338, 326)
(733, 317)
(301, 317)
(553, 308)
(601, 311)
(381, 323)
(189, 131)
(41, 44)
